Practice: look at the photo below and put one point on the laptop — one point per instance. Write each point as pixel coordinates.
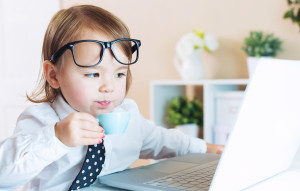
(262, 143)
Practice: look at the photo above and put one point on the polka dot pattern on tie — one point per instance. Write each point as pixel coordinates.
(91, 167)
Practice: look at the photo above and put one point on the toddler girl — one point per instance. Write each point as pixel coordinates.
(87, 53)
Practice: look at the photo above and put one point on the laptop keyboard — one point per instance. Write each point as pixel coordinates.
(192, 179)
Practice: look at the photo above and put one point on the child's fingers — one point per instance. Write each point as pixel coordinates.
(92, 134)
(90, 126)
(87, 117)
(90, 141)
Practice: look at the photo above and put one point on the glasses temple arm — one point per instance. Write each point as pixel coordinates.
(57, 54)
(134, 47)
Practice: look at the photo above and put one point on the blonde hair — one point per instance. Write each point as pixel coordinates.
(65, 26)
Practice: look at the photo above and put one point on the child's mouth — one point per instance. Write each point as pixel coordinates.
(104, 103)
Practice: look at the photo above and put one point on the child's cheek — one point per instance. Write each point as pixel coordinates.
(80, 97)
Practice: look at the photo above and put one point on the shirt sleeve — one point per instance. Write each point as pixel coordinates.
(159, 142)
(32, 147)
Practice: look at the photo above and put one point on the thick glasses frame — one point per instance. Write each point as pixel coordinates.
(104, 45)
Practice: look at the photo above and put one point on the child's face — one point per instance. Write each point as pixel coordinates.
(94, 90)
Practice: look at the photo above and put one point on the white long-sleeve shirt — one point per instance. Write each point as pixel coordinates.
(35, 156)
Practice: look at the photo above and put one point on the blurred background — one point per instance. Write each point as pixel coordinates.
(158, 24)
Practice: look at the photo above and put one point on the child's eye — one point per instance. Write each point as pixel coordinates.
(120, 75)
(92, 75)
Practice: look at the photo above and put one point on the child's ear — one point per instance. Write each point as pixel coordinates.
(50, 71)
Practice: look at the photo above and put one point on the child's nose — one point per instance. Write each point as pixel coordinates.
(106, 86)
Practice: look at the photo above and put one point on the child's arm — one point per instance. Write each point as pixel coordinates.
(35, 145)
(25, 154)
(169, 143)
(160, 143)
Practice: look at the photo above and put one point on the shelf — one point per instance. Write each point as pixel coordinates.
(200, 82)
(163, 90)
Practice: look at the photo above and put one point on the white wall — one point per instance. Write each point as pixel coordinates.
(22, 27)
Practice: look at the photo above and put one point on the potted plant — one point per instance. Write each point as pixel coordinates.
(185, 115)
(259, 44)
(294, 12)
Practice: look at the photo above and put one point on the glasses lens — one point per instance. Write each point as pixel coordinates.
(87, 53)
(126, 51)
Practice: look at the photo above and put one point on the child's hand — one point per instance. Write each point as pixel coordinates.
(79, 129)
(214, 149)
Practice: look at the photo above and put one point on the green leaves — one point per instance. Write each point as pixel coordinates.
(289, 14)
(258, 44)
(294, 12)
(182, 111)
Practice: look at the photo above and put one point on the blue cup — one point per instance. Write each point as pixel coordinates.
(114, 123)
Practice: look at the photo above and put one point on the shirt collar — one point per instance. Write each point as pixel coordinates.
(62, 108)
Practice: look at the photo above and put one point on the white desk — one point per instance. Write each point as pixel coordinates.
(287, 180)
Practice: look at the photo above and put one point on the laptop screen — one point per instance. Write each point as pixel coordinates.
(266, 135)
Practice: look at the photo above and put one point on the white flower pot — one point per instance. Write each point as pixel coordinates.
(189, 129)
(252, 64)
(190, 68)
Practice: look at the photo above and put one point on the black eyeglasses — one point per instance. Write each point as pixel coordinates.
(89, 53)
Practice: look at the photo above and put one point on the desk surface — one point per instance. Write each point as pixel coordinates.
(287, 180)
